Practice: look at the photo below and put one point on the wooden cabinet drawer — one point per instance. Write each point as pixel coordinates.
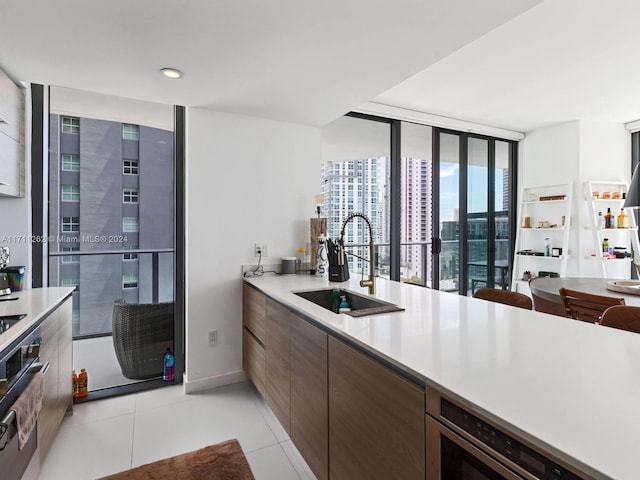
(253, 360)
(253, 311)
(278, 381)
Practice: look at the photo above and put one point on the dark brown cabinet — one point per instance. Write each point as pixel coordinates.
(309, 401)
(376, 419)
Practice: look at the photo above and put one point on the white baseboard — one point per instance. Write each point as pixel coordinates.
(192, 386)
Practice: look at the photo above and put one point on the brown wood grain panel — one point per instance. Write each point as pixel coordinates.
(253, 311)
(309, 395)
(376, 419)
(48, 421)
(65, 358)
(253, 360)
(278, 381)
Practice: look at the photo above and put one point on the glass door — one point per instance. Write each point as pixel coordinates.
(112, 197)
(446, 187)
(472, 235)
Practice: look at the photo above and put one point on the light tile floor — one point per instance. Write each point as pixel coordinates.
(114, 434)
(98, 357)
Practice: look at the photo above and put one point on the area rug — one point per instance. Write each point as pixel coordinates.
(224, 461)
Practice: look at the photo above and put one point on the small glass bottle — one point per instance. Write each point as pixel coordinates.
(622, 220)
(547, 248)
(600, 220)
(609, 219)
(605, 245)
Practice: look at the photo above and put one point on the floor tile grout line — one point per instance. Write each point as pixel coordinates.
(133, 430)
(290, 462)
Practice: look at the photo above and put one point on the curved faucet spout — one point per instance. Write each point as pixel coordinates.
(371, 282)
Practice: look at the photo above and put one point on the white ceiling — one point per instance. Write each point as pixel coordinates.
(562, 60)
(484, 62)
(292, 60)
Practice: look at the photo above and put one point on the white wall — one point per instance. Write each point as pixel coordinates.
(576, 152)
(249, 180)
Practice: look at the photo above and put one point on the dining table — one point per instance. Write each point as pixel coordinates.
(545, 291)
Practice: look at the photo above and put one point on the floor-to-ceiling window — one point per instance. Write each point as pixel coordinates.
(355, 178)
(113, 211)
(451, 191)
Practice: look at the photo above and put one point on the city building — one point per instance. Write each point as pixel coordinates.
(114, 194)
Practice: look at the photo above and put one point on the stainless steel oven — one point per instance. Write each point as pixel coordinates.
(18, 364)
(462, 446)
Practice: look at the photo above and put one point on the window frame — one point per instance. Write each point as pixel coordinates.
(130, 222)
(130, 195)
(72, 163)
(70, 225)
(130, 167)
(72, 127)
(130, 131)
(70, 196)
(130, 281)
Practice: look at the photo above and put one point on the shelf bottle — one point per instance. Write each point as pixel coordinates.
(622, 220)
(609, 219)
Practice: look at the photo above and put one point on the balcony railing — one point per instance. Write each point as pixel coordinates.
(103, 276)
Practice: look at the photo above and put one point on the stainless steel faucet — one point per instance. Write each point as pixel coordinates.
(371, 282)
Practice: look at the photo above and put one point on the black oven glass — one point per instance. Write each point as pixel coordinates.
(13, 365)
(458, 464)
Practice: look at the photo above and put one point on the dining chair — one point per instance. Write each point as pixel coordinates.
(506, 297)
(624, 317)
(586, 306)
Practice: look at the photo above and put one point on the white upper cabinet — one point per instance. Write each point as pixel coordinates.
(12, 138)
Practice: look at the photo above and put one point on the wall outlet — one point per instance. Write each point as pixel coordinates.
(212, 338)
(261, 248)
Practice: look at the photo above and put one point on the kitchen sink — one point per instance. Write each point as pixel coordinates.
(360, 305)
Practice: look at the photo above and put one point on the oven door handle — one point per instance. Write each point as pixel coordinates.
(4, 427)
(39, 368)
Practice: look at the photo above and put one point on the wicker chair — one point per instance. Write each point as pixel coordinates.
(141, 335)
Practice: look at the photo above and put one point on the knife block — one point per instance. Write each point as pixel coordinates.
(339, 273)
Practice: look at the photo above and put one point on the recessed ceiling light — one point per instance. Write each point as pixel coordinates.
(171, 73)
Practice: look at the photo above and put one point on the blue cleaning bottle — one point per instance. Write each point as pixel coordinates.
(169, 365)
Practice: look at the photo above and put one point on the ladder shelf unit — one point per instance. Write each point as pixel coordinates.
(544, 218)
(601, 196)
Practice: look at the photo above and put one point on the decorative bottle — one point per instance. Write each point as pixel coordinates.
(605, 245)
(608, 219)
(83, 383)
(74, 378)
(547, 248)
(169, 362)
(622, 220)
(322, 264)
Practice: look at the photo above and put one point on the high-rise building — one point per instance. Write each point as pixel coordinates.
(416, 226)
(115, 192)
(354, 186)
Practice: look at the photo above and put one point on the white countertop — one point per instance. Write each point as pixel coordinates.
(570, 387)
(36, 303)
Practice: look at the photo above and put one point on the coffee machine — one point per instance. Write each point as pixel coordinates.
(4, 278)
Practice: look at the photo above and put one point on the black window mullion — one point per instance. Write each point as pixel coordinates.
(435, 208)
(463, 210)
(395, 207)
(491, 213)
